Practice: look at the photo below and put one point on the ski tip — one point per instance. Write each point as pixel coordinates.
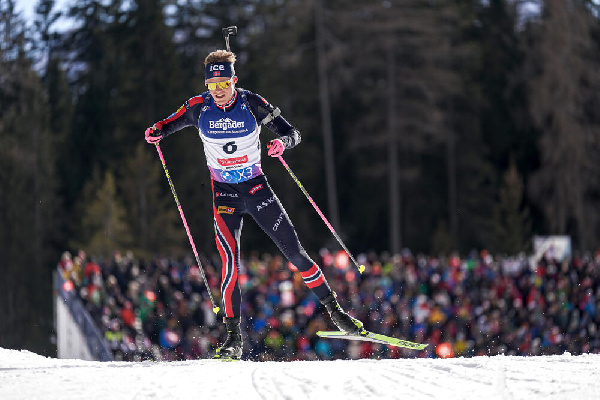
(361, 268)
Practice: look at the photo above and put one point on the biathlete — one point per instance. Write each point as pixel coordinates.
(229, 121)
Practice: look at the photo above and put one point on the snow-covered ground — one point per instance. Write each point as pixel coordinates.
(25, 375)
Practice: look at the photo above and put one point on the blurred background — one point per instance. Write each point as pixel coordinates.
(436, 126)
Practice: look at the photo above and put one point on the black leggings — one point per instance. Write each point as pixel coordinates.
(255, 197)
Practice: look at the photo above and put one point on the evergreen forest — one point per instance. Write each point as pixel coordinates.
(437, 126)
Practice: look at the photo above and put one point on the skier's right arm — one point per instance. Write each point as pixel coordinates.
(186, 115)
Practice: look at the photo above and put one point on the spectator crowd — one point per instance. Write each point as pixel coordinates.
(461, 306)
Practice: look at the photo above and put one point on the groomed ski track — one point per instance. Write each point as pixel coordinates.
(25, 375)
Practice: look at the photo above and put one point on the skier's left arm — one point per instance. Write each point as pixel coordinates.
(269, 116)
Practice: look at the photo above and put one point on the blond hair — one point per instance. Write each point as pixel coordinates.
(220, 56)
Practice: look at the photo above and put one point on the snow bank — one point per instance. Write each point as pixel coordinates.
(25, 375)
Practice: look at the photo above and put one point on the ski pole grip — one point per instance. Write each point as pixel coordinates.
(230, 30)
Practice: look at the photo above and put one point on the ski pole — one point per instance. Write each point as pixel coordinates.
(361, 267)
(230, 30)
(187, 229)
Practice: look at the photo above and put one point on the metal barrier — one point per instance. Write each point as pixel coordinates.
(94, 339)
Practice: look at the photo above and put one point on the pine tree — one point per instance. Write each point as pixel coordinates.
(485, 36)
(151, 83)
(104, 228)
(396, 60)
(512, 224)
(280, 63)
(567, 83)
(28, 204)
(92, 73)
(153, 216)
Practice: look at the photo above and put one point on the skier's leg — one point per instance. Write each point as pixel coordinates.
(269, 214)
(227, 212)
(228, 227)
(227, 231)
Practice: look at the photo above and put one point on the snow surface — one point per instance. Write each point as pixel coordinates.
(25, 375)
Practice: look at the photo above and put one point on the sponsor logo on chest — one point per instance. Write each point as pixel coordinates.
(226, 162)
(236, 175)
(225, 124)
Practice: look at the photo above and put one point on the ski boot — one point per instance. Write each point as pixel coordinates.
(232, 348)
(343, 321)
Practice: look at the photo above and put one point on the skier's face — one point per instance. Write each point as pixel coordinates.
(222, 92)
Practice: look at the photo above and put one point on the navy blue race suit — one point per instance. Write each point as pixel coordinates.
(230, 135)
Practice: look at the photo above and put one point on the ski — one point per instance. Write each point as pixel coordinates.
(226, 359)
(372, 337)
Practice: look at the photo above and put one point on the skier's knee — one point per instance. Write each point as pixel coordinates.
(300, 261)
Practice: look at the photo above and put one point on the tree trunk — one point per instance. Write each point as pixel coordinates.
(328, 155)
(395, 198)
(452, 191)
